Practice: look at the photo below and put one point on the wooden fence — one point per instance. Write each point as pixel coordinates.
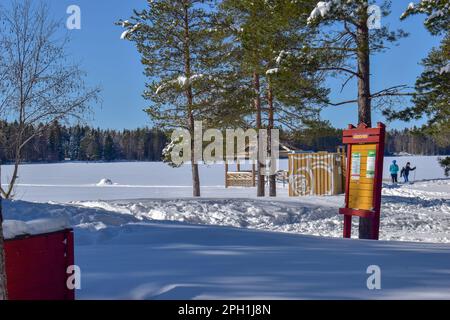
(319, 173)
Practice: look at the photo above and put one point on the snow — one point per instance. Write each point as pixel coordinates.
(427, 167)
(178, 261)
(105, 182)
(280, 56)
(322, 9)
(159, 243)
(445, 69)
(418, 212)
(75, 181)
(272, 71)
(122, 257)
(181, 80)
(129, 31)
(15, 228)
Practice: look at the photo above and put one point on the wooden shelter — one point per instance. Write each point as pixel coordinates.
(247, 178)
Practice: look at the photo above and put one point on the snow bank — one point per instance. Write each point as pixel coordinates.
(15, 228)
(125, 253)
(412, 212)
(417, 212)
(105, 182)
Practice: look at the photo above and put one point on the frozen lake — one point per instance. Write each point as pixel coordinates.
(73, 181)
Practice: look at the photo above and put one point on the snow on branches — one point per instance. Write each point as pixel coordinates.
(322, 9)
(130, 29)
(181, 81)
(330, 8)
(438, 12)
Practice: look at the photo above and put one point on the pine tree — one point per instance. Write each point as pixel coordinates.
(181, 48)
(357, 39)
(74, 143)
(55, 149)
(432, 97)
(269, 37)
(292, 83)
(109, 152)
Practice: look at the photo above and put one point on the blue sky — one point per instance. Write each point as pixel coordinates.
(115, 65)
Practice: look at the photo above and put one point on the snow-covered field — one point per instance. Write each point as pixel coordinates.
(65, 182)
(140, 235)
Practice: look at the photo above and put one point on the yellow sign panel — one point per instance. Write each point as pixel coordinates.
(362, 176)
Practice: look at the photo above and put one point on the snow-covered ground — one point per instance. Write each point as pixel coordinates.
(65, 182)
(124, 257)
(140, 235)
(155, 191)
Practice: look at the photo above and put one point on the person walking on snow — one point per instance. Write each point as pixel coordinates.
(393, 169)
(405, 172)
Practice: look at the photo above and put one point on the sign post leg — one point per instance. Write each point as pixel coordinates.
(347, 226)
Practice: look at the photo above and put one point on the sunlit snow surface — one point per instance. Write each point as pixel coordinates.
(144, 237)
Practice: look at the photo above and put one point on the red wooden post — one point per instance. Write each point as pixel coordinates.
(378, 181)
(347, 218)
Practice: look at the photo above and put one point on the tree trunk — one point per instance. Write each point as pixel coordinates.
(3, 291)
(260, 188)
(7, 194)
(272, 178)
(194, 164)
(190, 104)
(364, 102)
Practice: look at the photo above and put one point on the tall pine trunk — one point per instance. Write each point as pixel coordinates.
(190, 104)
(364, 101)
(260, 190)
(271, 125)
(3, 291)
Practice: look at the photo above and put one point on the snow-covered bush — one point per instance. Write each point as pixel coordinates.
(445, 163)
(167, 153)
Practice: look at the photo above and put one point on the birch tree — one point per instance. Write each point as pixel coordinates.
(40, 85)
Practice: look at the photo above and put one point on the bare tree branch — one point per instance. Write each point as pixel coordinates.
(39, 85)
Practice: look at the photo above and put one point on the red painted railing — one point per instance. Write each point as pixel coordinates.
(36, 266)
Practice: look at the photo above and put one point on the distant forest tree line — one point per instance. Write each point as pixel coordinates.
(84, 143)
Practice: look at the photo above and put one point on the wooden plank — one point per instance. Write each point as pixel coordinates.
(361, 186)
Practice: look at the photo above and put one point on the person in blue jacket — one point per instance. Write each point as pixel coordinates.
(393, 169)
(405, 172)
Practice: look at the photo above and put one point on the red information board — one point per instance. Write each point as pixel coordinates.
(365, 152)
